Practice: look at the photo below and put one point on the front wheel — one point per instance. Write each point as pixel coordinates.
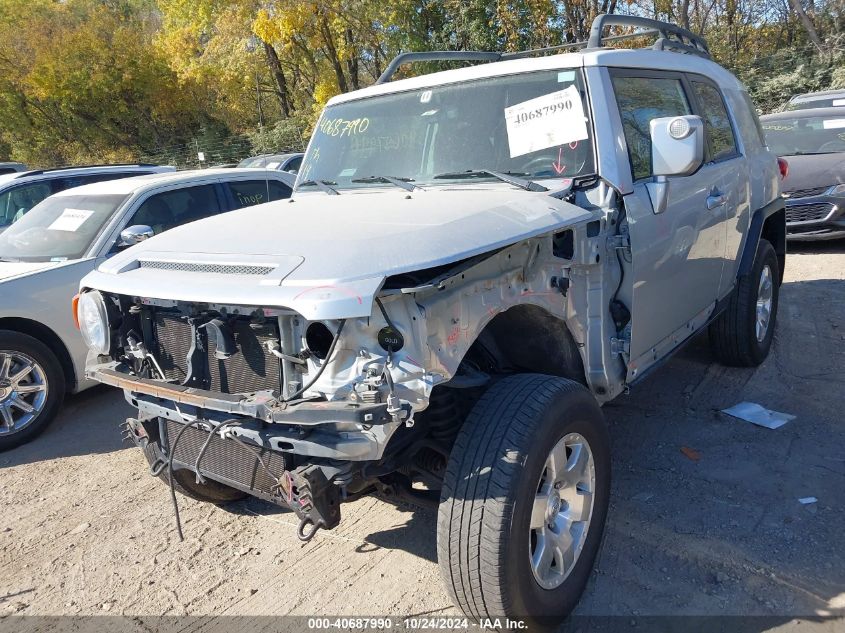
(524, 500)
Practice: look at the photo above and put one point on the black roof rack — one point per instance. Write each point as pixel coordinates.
(36, 172)
(671, 37)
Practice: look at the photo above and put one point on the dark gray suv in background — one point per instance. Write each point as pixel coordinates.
(813, 143)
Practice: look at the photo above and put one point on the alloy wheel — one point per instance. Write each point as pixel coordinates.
(765, 292)
(562, 510)
(23, 391)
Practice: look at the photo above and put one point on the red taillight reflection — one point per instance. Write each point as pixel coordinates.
(783, 166)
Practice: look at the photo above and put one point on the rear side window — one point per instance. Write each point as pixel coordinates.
(15, 202)
(640, 100)
(755, 119)
(717, 124)
(249, 192)
(169, 209)
(69, 182)
(294, 165)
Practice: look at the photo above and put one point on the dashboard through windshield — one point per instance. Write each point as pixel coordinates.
(532, 125)
(59, 228)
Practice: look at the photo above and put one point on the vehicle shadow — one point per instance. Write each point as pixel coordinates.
(88, 423)
(817, 247)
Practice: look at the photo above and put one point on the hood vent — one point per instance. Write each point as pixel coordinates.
(218, 269)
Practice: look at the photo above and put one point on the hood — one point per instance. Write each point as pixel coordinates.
(326, 256)
(13, 270)
(815, 170)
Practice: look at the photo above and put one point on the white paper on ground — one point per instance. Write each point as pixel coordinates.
(754, 413)
(553, 119)
(807, 500)
(70, 220)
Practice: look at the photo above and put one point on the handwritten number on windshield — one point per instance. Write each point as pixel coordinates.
(344, 127)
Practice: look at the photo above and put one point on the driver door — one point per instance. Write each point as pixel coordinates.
(677, 253)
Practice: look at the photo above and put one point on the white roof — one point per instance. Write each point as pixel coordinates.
(619, 58)
(137, 184)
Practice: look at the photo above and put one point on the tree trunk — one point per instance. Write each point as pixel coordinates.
(331, 53)
(352, 62)
(279, 77)
(807, 23)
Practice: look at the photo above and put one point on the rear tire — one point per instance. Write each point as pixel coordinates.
(500, 498)
(735, 336)
(32, 388)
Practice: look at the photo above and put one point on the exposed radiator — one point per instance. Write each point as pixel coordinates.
(226, 460)
(252, 368)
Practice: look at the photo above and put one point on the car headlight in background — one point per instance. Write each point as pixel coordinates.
(838, 190)
(94, 322)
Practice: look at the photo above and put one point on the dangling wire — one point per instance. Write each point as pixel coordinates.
(170, 476)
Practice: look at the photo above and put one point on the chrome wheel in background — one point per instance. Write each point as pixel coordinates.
(23, 391)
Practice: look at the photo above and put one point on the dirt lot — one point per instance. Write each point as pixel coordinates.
(85, 530)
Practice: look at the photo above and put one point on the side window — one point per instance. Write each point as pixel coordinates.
(69, 182)
(168, 209)
(15, 202)
(717, 123)
(752, 112)
(294, 165)
(249, 192)
(640, 100)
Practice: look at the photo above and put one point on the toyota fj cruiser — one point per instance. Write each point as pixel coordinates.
(474, 260)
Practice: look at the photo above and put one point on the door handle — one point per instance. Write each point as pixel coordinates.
(716, 199)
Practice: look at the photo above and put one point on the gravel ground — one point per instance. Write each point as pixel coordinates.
(704, 520)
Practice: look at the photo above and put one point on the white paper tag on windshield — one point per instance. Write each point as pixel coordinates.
(833, 124)
(70, 220)
(553, 119)
(839, 102)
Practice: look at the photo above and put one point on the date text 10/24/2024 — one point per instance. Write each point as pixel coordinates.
(421, 623)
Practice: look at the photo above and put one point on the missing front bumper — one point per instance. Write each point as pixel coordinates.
(316, 429)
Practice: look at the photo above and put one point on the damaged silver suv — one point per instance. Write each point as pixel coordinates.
(473, 262)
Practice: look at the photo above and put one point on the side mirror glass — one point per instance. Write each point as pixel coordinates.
(677, 145)
(135, 234)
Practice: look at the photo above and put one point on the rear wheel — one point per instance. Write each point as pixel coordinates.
(524, 500)
(742, 335)
(32, 387)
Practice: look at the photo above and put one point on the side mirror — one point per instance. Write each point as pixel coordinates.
(677, 145)
(135, 234)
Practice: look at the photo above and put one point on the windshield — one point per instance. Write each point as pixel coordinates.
(805, 135)
(533, 125)
(59, 228)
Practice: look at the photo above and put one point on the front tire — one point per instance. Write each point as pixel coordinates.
(524, 500)
(32, 388)
(742, 335)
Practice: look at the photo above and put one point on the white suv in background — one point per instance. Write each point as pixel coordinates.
(22, 190)
(45, 254)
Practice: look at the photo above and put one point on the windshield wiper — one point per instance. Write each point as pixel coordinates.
(510, 178)
(404, 183)
(324, 185)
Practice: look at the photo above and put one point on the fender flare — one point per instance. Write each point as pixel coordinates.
(755, 232)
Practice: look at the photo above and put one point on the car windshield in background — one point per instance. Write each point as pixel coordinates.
(59, 228)
(533, 125)
(805, 135)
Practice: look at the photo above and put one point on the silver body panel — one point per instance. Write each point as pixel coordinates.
(331, 255)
